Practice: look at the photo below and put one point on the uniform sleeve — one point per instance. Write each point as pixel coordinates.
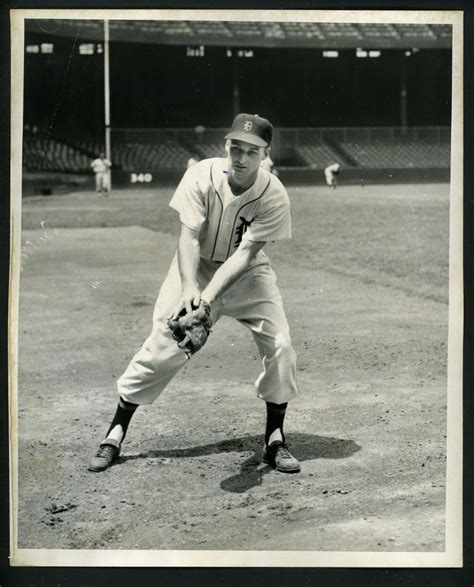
(273, 222)
(188, 201)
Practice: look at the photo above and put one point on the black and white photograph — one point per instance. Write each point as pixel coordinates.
(236, 311)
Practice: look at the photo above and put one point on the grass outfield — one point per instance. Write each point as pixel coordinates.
(385, 234)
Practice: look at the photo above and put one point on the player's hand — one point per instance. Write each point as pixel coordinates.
(190, 298)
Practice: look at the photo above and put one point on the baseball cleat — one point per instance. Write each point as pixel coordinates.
(277, 455)
(104, 457)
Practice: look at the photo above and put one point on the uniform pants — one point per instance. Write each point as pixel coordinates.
(254, 300)
(102, 182)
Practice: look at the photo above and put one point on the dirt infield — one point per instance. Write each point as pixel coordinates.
(365, 285)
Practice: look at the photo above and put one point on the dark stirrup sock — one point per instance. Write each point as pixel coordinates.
(123, 415)
(275, 417)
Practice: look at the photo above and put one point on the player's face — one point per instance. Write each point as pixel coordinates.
(244, 159)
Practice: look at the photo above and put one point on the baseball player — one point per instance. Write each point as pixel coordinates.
(268, 165)
(101, 167)
(331, 172)
(192, 160)
(229, 209)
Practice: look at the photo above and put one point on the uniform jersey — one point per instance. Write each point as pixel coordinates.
(207, 205)
(267, 164)
(332, 170)
(100, 165)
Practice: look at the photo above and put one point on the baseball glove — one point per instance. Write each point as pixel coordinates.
(191, 330)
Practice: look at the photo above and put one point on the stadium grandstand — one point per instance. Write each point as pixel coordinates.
(374, 97)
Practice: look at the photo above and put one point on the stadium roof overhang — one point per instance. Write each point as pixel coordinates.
(252, 34)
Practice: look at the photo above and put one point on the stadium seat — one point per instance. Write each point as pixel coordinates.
(398, 155)
(49, 154)
(153, 150)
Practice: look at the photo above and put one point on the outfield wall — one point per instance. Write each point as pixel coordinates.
(61, 183)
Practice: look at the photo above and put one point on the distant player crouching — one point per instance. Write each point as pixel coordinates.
(331, 172)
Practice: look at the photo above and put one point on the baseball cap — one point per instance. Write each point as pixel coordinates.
(251, 128)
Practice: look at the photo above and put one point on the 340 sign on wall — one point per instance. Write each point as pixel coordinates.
(141, 177)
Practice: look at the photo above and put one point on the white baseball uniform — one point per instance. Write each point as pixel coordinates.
(267, 164)
(205, 203)
(191, 161)
(331, 172)
(101, 169)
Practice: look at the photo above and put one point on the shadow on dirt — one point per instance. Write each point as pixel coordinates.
(304, 446)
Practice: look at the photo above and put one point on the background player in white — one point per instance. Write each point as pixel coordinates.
(331, 172)
(192, 160)
(101, 167)
(269, 165)
(228, 208)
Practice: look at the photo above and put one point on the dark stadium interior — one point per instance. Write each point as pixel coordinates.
(162, 90)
